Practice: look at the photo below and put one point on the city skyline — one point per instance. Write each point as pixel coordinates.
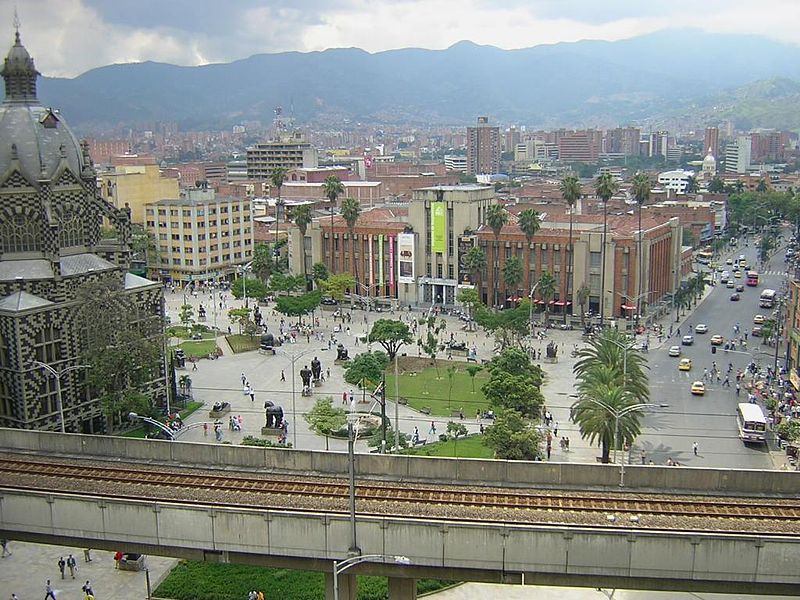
(69, 37)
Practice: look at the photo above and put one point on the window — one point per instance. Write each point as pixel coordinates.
(187, 213)
(47, 345)
(450, 271)
(595, 259)
(176, 261)
(594, 282)
(175, 236)
(439, 270)
(20, 233)
(173, 212)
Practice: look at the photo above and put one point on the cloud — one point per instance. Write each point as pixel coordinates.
(68, 37)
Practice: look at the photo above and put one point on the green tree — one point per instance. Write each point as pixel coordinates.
(547, 289)
(276, 179)
(571, 191)
(717, 186)
(691, 185)
(516, 362)
(390, 334)
(186, 314)
(582, 297)
(615, 350)
(240, 316)
(472, 371)
(302, 218)
(298, 306)
(475, 263)
(255, 288)
(496, 218)
(144, 247)
(470, 299)
(429, 341)
(319, 272)
(529, 223)
(509, 326)
(336, 285)
(366, 368)
(512, 274)
(514, 383)
(376, 440)
(762, 186)
(280, 282)
(641, 193)
(512, 438)
(262, 264)
(350, 210)
(332, 187)
(326, 419)
(606, 188)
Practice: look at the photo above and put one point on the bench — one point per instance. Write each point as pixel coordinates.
(456, 414)
(425, 410)
(132, 562)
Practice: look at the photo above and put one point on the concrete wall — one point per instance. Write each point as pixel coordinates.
(461, 550)
(404, 468)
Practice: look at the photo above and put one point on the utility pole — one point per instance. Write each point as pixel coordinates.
(383, 412)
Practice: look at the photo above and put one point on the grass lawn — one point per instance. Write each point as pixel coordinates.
(192, 580)
(468, 447)
(183, 332)
(243, 343)
(141, 432)
(200, 349)
(420, 386)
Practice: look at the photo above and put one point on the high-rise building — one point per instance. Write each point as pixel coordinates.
(580, 146)
(659, 144)
(711, 142)
(55, 262)
(737, 155)
(133, 181)
(623, 140)
(483, 148)
(292, 152)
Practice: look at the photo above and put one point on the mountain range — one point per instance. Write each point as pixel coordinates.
(748, 79)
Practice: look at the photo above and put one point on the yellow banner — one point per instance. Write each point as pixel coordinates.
(438, 243)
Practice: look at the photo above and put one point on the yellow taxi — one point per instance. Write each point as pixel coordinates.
(737, 274)
(716, 340)
(698, 388)
(685, 364)
(759, 319)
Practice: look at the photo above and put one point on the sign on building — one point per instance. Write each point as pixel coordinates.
(438, 239)
(405, 258)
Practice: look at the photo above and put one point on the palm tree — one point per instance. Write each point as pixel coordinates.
(582, 296)
(332, 188)
(547, 288)
(512, 274)
(614, 349)
(641, 192)
(276, 179)
(351, 209)
(606, 188)
(716, 186)
(570, 191)
(762, 186)
(475, 262)
(496, 218)
(529, 223)
(302, 218)
(691, 185)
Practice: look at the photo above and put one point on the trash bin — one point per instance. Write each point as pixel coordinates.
(713, 349)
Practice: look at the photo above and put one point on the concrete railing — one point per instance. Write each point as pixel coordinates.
(406, 468)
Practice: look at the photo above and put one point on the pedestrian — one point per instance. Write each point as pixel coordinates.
(432, 430)
(87, 588)
(73, 565)
(4, 546)
(118, 557)
(252, 395)
(344, 398)
(87, 552)
(352, 397)
(283, 375)
(328, 373)
(549, 449)
(694, 448)
(555, 430)
(48, 591)
(205, 429)
(244, 380)
(260, 595)
(62, 564)
(644, 457)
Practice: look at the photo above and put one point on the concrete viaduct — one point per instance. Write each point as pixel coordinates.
(615, 557)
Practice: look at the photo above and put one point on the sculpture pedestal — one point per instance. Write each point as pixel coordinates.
(276, 431)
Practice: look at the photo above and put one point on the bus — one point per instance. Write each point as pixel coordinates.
(751, 422)
(751, 278)
(704, 256)
(767, 299)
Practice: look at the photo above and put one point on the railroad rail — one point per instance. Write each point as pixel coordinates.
(274, 491)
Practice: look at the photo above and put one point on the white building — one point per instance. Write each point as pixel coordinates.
(455, 162)
(737, 155)
(676, 180)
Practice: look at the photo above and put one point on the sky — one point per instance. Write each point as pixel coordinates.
(69, 37)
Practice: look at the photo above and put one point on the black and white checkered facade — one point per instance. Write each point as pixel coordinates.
(51, 216)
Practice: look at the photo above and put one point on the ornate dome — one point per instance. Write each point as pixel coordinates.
(36, 136)
(709, 163)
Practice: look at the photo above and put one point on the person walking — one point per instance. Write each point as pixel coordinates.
(432, 430)
(4, 546)
(87, 589)
(48, 591)
(73, 565)
(694, 448)
(87, 552)
(283, 375)
(62, 566)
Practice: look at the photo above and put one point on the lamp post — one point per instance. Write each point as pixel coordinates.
(244, 269)
(58, 373)
(530, 309)
(293, 356)
(343, 565)
(618, 414)
(352, 420)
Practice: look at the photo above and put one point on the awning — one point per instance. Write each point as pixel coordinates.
(562, 303)
(628, 307)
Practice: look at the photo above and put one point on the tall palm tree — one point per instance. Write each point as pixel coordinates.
(606, 188)
(547, 289)
(614, 349)
(641, 192)
(475, 262)
(302, 218)
(496, 218)
(529, 222)
(570, 191)
(351, 209)
(332, 188)
(512, 274)
(691, 185)
(276, 179)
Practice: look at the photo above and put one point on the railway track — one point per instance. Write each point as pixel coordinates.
(422, 495)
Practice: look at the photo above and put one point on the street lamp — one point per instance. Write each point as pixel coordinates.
(618, 414)
(342, 566)
(244, 269)
(530, 309)
(58, 373)
(293, 356)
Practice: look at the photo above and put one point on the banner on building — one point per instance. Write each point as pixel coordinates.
(391, 265)
(405, 258)
(465, 244)
(371, 281)
(438, 243)
(380, 260)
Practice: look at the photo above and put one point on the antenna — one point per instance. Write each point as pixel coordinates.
(16, 21)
